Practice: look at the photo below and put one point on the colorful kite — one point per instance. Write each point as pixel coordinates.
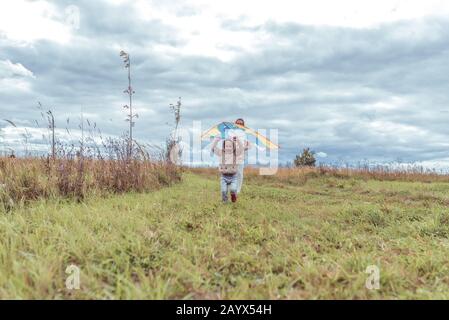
(221, 130)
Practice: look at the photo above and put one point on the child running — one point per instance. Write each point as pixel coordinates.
(230, 151)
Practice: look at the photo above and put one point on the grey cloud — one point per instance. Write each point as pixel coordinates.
(354, 94)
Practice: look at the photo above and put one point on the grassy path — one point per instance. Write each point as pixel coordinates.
(278, 241)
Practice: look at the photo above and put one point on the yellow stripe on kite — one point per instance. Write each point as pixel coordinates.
(212, 132)
(263, 139)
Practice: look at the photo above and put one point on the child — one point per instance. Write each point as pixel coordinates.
(230, 151)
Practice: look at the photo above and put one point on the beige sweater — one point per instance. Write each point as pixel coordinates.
(228, 158)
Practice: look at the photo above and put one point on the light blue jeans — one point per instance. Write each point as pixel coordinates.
(240, 177)
(228, 183)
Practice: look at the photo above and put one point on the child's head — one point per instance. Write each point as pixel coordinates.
(240, 122)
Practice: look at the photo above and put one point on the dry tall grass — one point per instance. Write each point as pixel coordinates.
(301, 174)
(24, 180)
(74, 175)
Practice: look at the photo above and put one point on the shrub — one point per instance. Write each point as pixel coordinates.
(306, 159)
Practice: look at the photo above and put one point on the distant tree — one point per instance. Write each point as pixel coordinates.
(306, 159)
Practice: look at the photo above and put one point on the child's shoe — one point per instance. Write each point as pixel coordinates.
(224, 197)
(234, 197)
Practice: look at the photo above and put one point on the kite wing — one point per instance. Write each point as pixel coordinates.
(260, 138)
(212, 132)
(220, 130)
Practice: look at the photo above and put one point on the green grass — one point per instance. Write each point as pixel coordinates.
(280, 241)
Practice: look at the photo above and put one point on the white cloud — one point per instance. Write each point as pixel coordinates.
(9, 70)
(349, 13)
(14, 76)
(206, 36)
(26, 21)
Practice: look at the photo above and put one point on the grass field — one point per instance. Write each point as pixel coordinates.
(285, 239)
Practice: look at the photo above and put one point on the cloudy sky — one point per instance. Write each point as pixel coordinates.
(354, 80)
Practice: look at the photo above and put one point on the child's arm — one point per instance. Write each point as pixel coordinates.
(239, 149)
(215, 149)
(248, 145)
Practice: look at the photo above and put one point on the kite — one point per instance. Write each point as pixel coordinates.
(222, 128)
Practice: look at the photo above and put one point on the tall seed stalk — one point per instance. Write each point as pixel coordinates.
(131, 116)
(51, 127)
(174, 151)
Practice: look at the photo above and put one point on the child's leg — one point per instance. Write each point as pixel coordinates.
(240, 177)
(224, 189)
(234, 187)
